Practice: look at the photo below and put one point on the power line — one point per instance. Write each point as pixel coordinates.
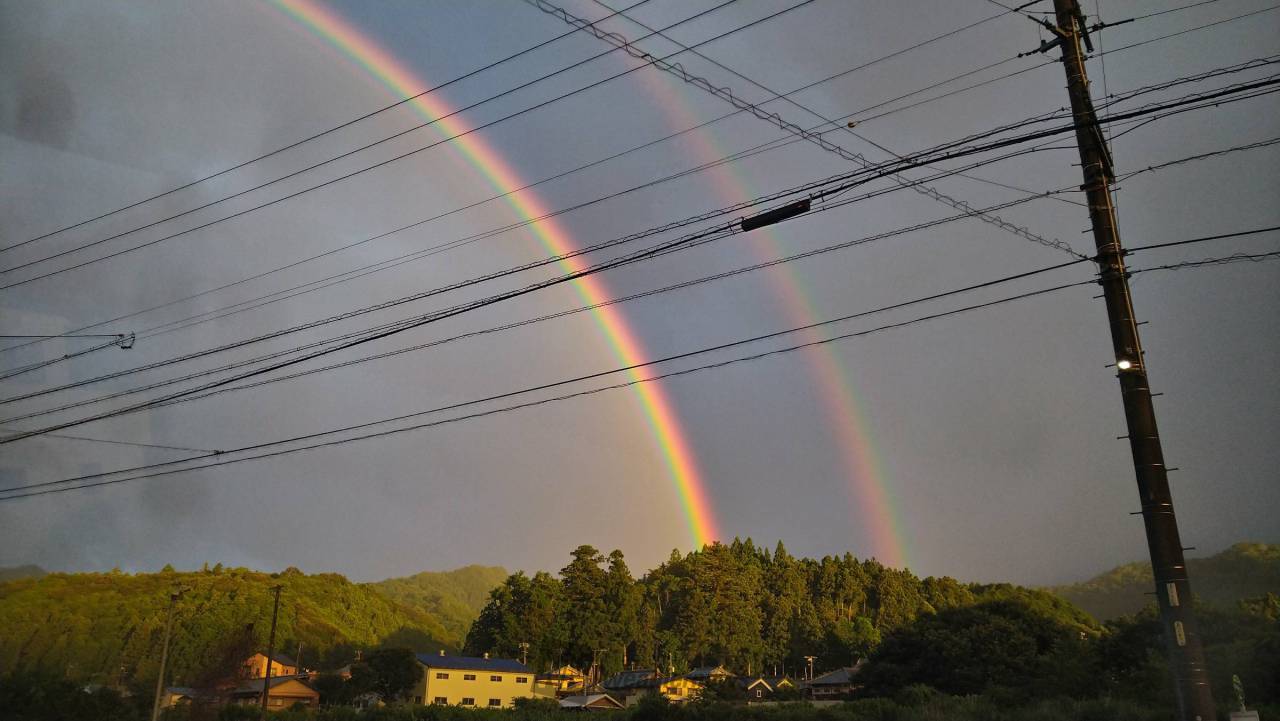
(821, 192)
(634, 148)
(481, 414)
(310, 138)
(727, 95)
(380, 164)
(434, 343)
(184, 449)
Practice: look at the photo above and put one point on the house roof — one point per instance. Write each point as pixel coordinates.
(749, 682)
(631, 679)
(775, 681)
(254, 686)
(473, 663)
(279, 658)
(838, 677)
(596, 699)
(702, 672)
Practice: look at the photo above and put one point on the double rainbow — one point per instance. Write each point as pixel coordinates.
(659, 411)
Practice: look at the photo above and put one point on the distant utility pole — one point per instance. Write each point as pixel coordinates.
(271, 648)
(524, 652)
(810, 660)
(1173, 590)
(164, 654)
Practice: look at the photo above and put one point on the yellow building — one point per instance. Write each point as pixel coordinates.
(470, 681)
(286, 692)
(680, 689)
(256, 666)
(563, 681)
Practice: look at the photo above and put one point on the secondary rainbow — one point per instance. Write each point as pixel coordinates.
(341, 35)
(850, 428)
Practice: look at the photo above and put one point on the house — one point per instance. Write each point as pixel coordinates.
(629, 686)
(680, 689)
(709, 674)
(757, 688)
(471, 681)
(285, 692)
(256, 666)
(186, 696)
(836, 684)
(561, 682)
(590, 702)
(777, 683)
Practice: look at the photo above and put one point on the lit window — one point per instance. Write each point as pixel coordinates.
(468, 677)
(468, 701)
(442, 675)
(441, 701)
(759, 693)
(495, 702)
(522, 679)
(495, 678)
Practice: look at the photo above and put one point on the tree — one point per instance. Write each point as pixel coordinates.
(971, 650)
(395, 671)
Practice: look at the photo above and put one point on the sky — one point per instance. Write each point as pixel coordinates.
(981, 446)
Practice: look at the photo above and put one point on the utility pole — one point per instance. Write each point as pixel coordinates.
(1173, 590)
(164, 654)
(810, 660)
(271, 648)
(524, 652)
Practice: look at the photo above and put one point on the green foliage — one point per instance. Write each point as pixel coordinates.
(392, 672)
(38, 696)
(1000, 643)
(1246, 570)
(109, 627)
(452, 597)
(736, 605)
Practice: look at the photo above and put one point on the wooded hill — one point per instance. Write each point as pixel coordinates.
(454, 598)
(108, 627)
(1246, 570)
(740, 605)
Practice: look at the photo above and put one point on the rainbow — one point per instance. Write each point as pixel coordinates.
(865, 470)
(342, 36)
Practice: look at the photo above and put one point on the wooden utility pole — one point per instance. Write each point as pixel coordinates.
(164, 655)
(271, 648)
(1173, 590)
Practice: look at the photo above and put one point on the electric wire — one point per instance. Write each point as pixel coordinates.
(380, 164)
(735, 112)
(727, 94)
(823, 194)
(310, 138)
(44, 488)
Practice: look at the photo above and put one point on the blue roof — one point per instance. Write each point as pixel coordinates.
(473, 663)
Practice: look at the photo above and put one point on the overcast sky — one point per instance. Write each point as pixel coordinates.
(992, 434)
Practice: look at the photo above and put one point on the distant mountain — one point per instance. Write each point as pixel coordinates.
(1245, 570)
(9, 573)
(109, 627)
(452, 597)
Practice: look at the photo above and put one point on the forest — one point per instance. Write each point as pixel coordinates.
(932, 648)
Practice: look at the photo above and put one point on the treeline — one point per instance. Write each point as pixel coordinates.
(740, 605)
(107, 628)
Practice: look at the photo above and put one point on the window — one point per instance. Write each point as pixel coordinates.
(759, 693)
(468, 677)
(677, 691)
(441, 701)
(468, 701)
(495, 702)
(495, 678)
(441, 675)
(417, 700)
(522, 679)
